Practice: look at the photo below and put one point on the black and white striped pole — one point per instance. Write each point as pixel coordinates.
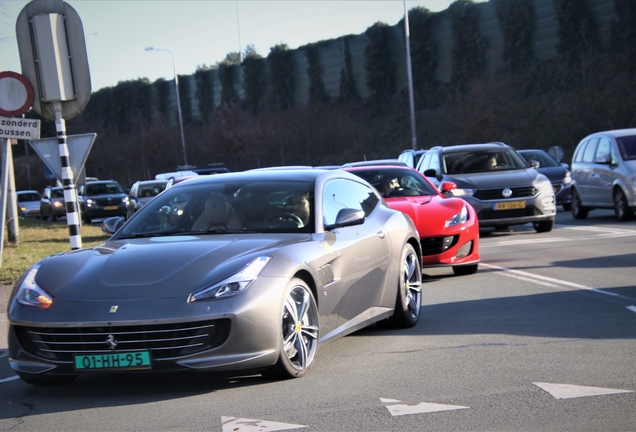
(53, 57)
(68, 181)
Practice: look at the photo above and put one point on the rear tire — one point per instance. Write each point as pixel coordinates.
(46, 380)
(621, 209)
(578, 211)
(299, 338)
(465, 270)
(544, 226)
(409, 296)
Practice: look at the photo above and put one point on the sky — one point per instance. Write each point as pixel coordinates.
(201, 32)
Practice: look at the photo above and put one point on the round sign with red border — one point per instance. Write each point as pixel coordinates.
(16, 94)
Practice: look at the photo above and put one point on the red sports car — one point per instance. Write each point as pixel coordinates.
(448, 226)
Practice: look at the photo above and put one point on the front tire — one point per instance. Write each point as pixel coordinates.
(578, 211)
(621, 209)
(544, 226)
(465, 269)
(409, 296)
(299, 337)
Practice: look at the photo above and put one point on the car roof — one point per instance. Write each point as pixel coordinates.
(146, 182)
(394, 162)
(301, 174)
(471, 147)
(616, 132)
(101, 181)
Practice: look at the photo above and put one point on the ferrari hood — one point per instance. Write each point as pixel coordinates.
(429, 213)
(159, 267)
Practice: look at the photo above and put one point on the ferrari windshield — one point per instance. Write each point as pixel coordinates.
(226, 207)
(394, 182)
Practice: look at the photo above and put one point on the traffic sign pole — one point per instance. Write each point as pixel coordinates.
(68, 183)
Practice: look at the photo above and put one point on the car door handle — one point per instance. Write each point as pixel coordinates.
(381, 234)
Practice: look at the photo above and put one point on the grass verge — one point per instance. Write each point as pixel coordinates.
(38, 239)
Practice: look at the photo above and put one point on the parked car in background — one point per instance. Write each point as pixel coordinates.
(28, 203)
(558, 173)
(102, 199)
(497, 181)
(411, 157)
(201, 292)
(141, 192)
(447, 226)
(604, 174)
(52, 203)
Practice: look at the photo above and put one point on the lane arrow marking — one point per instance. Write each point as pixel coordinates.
(420, 408)
(234, 424)
(568, 391)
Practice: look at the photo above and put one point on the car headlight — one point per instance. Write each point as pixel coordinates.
(88, 202)
(233, 285)
(57, 204)
(30, 294)
(568, 178)
(458, 219)
(544, 186)
(463, 192)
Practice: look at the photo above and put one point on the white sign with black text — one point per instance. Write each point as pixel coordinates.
(19, 128)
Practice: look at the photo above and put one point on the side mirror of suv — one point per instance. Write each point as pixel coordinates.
(602, 160)
(430, 173)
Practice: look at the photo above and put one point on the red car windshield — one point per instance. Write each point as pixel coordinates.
(394, 182)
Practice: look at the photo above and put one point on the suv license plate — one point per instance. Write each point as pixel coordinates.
(114, 361)
(110, 208)
(511, 205)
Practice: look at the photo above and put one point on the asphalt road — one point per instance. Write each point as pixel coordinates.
(541, 338)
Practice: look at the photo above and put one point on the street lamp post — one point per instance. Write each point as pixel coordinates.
(176, 89)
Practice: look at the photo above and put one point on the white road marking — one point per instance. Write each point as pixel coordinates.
(234, 424)
(13, 378)
(632, 308)
(547, 281)
(420, 408)
(568, 391)
(598, 232)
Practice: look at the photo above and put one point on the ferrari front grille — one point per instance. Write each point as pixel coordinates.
(162, 340)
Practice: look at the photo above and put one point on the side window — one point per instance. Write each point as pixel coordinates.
(578, 153)
(590, 150)
(603, 150)
(367, 199)
(425, 162)
(336, 196)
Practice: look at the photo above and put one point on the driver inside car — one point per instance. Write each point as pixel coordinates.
(302, 207)
(388, 186)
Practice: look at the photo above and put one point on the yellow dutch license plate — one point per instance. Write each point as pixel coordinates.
(110, 208)
(511, 205)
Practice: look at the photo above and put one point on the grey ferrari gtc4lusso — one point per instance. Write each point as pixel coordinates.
(240, 271)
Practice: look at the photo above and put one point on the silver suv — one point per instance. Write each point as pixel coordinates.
(604, 174)
(496, 180)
